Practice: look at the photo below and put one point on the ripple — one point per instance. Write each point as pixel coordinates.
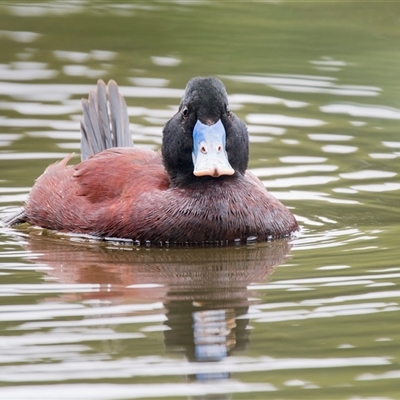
(358, 123)
(29, 65)
(341, 90)
(374, 377)
(35, 354)
(322, 312)
(82, 70)
(67, 337)
(93, 322)
(24, 75)
(333, 267)
(23, 91)
(367, 174)
(31, 108)
(45, 311)
(67, 135)
(378, 187)
(75, 56)
(108, 391)
(340, 149)
(330, 63)
(356, 110)
(260, 172)
(307, 84)
(156, 82)
(302, 159)
(20, 36)
(393, 145)
(157, 366)
(300, 181)
(382, 156)
(166, 61)
(55, 91)
(344, 190)
(14, 290)
(258, 99)
(14, 189)
(296, 383)
(30, 123)
(276, 119)
(273, 130)
(309, 195)
(259, 139)
(6, 139)
(14, 198)
(103, 55)
(329, 137)
(31, 156)
(38, 10)
(290, 141)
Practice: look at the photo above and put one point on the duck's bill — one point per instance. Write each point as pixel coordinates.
(209, 153)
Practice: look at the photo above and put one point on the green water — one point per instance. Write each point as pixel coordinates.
(318, 84)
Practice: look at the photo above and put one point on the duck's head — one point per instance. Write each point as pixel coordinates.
(204, 138)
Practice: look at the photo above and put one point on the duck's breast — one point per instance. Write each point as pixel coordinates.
(218, 210)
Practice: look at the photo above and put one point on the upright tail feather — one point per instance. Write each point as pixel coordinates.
(104, 124)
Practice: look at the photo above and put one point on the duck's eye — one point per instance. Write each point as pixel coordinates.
(185, 112)
(228, 110)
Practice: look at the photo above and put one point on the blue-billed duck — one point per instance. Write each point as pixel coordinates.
(195, 190)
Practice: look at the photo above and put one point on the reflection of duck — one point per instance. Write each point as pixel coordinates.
(206, 276)
(196, 190)
(204, 290)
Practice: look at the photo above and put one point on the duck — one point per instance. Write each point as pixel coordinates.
(196, 189)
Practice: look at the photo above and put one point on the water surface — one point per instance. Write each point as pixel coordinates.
(315, 317)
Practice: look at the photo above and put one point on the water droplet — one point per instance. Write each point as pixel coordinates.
(251, 239)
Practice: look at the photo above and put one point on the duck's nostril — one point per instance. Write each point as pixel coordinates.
(219, 149)
(203, 149)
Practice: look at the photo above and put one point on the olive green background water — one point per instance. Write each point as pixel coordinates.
(318, 84)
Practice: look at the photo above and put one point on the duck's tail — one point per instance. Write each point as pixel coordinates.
(104, 124)
(14, 219)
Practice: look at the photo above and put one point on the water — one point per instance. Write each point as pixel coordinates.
(313, 318)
